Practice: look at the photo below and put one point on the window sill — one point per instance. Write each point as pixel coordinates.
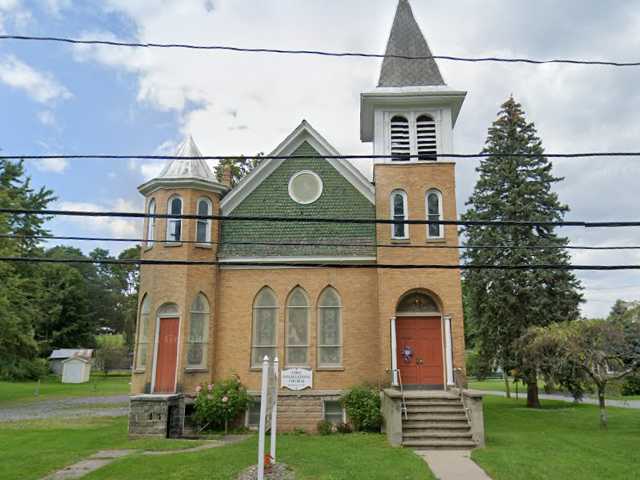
(400, 240)
(173, 244)
(203, 245)
(330, 369)
(436, 240)
(138, 371)
(196, 370)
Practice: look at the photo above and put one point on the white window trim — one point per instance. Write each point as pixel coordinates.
(411, 116)
(307, 307)
(258, 364)
(392, 214)
(319, 345)
(171, 220)
(205, 334)
(151, 223)
(207, 239)
(440, 210)
(305, 172)
(324, 410)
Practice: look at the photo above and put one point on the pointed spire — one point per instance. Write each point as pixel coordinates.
(192, 168)
(407, 39)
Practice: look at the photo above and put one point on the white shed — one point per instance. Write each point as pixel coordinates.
(76, 370)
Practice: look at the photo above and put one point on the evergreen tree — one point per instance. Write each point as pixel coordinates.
(504, 303)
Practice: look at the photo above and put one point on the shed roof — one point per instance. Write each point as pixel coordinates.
(63, 353)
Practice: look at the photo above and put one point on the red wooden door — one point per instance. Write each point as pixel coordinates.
(167, 356)
(419, 350)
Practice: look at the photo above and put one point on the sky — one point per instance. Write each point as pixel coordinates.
(62, 99)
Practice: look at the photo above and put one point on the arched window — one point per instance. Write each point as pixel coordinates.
(265, 319)
(198, 333)
(400, 139)
(417, 302)
(168, 310)
(434, 213)
(151, 222)
(203, 227)
(399, 230)
(174, 225)
(143, 333)
(298, 328)
(426, 138)
(329, 329)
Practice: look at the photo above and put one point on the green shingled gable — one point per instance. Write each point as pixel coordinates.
(339, 199)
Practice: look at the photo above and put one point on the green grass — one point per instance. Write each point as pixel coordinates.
(51, 388)
(32, 449)
(110, 340)
(560, 441)
(497, 385)
(334, 457)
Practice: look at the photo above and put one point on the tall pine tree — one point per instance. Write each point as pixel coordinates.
(504, 303)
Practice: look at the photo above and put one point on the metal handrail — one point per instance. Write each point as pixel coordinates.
(403, 402)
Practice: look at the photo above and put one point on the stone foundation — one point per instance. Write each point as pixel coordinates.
(156, 416)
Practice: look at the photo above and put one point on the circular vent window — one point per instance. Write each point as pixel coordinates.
(305, 187)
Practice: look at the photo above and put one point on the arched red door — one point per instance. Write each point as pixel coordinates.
(167, 358)
(419, 350)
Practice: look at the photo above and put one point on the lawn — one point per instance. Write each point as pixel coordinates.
(335, 457)
(560, 441)
(51, 388)
(34, 448)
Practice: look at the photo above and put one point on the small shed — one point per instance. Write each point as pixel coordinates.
(60, 355)
(76, 370)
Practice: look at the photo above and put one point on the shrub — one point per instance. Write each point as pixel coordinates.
(363, 408)
(24, 369)
(217, 404)
(325, 427)
(299, 431)
(343, 428)
(631, 385)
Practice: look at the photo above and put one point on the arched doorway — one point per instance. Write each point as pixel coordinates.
(419, 341)
(166, 349)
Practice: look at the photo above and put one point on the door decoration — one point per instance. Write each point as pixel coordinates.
(407, 353)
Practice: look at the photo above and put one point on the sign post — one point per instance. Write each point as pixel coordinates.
(268, 411)
(274, 409)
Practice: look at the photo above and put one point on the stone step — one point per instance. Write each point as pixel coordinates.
(437, 434)
(429, 395)
(439, 444)
(457, 426)
(430, 409)
(437, 417)
(440, 402)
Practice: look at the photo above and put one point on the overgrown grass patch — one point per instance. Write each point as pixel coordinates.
(560, 441)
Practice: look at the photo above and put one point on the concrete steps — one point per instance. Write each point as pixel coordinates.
(435, 420)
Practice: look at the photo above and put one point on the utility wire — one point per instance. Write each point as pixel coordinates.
(323, 53)
(398, 158)
(366, 221)
(324, 244)
(322, 265)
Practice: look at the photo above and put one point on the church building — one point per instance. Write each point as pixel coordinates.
(199, 324)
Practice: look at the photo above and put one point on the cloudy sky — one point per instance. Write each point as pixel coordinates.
(57, 99)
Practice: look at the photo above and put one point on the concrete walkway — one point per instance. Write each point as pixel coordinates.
(565, 398)
(453, 465)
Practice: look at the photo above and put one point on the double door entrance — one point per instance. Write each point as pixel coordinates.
(419, 351)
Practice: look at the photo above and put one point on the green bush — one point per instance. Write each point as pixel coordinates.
(24, 369)
(217, 405)
(325, 427)
(631, 385)
(363, 408)
(343, 428)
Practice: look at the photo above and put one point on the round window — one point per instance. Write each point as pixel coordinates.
(305, 187)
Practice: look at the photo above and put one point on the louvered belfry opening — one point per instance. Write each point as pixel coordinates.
(400, 139)
(426, 138)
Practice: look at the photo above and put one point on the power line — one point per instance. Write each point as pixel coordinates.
(323, 53)
(324, 244)
(365, 221)
(322, 265)
(239, 158)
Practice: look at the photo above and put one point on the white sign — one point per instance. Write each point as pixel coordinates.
(297, 378)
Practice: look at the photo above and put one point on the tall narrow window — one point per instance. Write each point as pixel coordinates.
(203, 227)
(434, 213)
(174, 225)
(426, 138)
(143, 333)
(400, 138)
(399, 230)
(198, 333)
(329, 329)
(151, 222)
(298, 328)
(265, 317)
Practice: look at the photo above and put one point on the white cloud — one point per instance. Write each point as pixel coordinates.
(55, 165)
(114, 227)
(575, 108)
(56, 6)
(41, 87)
(46, 117)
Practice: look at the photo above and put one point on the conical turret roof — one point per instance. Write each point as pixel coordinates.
(406, 39)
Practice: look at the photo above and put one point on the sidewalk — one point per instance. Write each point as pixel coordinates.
(453, 465)
(565, 398)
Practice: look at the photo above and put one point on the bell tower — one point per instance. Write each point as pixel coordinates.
(409, 118)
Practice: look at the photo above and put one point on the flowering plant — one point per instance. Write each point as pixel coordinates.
(217, 404)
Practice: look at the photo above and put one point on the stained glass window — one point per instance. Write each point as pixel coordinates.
(265, 315)
(329, 329)
(198, 333)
